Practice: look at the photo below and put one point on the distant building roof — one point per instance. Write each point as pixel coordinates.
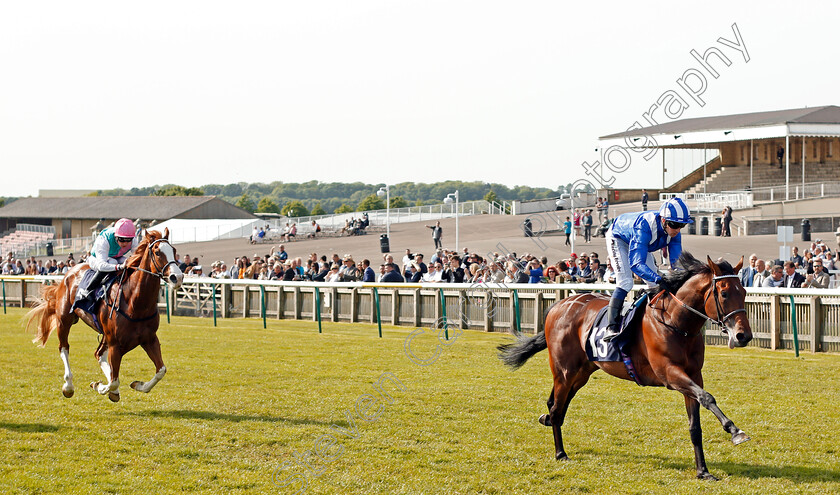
(816, 121)
(110, 207)
(64, 193)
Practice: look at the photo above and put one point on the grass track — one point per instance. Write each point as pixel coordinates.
(239, 401)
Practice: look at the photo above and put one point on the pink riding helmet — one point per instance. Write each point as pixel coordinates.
(124, 228)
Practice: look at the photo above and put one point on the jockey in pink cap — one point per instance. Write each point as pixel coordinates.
(110, 250)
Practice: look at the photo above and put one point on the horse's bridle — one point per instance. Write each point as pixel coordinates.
(160, 270)
(721, 322)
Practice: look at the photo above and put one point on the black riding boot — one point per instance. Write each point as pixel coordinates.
(94, 284)
(614, 322)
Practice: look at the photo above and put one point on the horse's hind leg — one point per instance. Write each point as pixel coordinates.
(564, 392)
(153, 350)
(64, 324)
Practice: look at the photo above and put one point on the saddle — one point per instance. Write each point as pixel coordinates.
(88, 305)
(598, 350)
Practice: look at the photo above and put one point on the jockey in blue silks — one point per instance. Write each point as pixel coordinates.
(631, 239)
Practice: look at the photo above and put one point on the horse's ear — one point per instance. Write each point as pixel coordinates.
(166, 232)
(739, 265)
(715, 268)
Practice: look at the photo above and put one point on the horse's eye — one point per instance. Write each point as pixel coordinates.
(723, 295)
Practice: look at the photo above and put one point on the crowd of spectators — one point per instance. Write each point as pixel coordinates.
(443, 266)
(31, 266)
(810, 269)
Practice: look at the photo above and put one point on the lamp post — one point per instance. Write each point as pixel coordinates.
(386, 191)
(448, 200)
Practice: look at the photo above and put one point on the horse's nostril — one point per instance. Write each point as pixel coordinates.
(740, 336)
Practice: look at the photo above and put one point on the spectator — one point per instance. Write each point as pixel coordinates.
(535, 272)
(576, 220)
(747, 273)
(495, 273)
(567, 229)
(796, 258)
(291, 232)
(793, 280)
(276, 271)
(761, 272)
(281, 254)
(453, 274)
(315, 230)
(775, 279)
(437, 234)
(392, 274)
(726, 219)
(552, 274)
(645, 198)
(351, 272)
(187, 262)
(808, 262)
(333, 275)
(581, 270)
(820, 279)
(413, 274)
(435, 273)
(515, 275)
(418, 258)
(596, 274)
(586, 220)
(368, 274)
(323, 272)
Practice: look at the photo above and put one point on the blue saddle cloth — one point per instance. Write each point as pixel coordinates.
(597, 349)
(88, 305)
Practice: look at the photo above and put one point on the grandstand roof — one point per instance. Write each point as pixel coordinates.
(145, 207)
(809, 121)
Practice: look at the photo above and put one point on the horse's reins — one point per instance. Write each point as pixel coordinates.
(721, 322)
(159, 274)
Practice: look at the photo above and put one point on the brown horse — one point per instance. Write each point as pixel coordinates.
(667, 348)
(128, 314)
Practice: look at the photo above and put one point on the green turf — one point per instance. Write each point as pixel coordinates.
(240, 401)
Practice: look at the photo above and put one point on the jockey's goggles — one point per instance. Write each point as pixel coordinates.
(124, 239)
(674, 225)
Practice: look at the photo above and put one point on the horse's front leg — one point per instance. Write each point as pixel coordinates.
(692, 407)
(112, 388)
(153, 350)
(678, 380)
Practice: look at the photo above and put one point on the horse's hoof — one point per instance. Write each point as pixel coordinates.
(561, 456)
(739, 438)
(135, 384)
(545, 420)
(68, 392)
(114, 397)
(94, 385)
(706, 476)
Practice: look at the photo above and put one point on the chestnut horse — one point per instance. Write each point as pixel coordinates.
(667, 348)
(128, 314)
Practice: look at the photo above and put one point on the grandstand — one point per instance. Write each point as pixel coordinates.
(24, 237)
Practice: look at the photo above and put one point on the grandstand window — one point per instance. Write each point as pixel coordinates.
(766, 147)
(743, 150)
(816, 142)
(830, 147)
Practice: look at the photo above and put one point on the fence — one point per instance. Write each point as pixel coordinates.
(502, 308)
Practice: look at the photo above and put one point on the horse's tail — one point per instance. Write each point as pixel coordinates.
(43, 314)
(516, 353)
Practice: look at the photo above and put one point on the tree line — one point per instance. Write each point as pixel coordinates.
(318, 198)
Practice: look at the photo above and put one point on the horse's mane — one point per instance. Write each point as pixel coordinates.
(134, 261)
(691, 267)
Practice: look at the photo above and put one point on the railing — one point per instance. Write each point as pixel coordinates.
(706, 202)
(400, 215)
(489, 307)
(797, 191)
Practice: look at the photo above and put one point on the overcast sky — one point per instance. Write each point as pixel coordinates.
(114, 94)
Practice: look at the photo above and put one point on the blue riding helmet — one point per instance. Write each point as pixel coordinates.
(675, 210)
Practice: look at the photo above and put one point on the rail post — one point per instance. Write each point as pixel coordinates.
(166, 295)
(214, 305)
(318, 308)
(793, 324)
(516, 321)
(378, 318)
(262, 303)
(443, 310)
(4, 296)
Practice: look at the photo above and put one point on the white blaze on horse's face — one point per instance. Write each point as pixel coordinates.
(175, 276)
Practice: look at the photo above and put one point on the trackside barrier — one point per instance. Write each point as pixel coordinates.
(772, 313)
